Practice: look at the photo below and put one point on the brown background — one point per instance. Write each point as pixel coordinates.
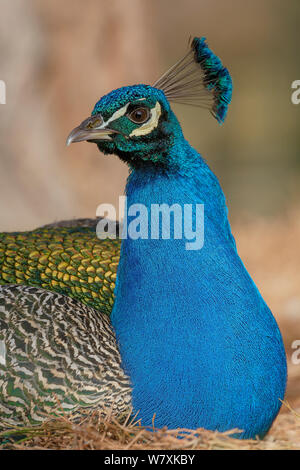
(58, 58)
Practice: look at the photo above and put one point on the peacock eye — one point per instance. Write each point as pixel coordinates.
(139, 115)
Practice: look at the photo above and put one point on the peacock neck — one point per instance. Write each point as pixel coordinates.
(146, 259)
(152, 315)
(184, 178)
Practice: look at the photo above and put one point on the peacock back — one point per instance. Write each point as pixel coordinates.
(65, 257)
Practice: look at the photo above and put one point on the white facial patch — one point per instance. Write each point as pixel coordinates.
(145, 128)
(150, 124)
(117, 114)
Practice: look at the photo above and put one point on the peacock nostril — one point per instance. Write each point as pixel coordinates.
(92, 122)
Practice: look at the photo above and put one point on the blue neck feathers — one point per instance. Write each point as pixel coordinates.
(197, 340)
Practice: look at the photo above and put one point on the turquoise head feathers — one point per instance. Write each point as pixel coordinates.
(137, 123)
(216, 78)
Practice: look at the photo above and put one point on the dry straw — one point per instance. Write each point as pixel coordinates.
(99, 433)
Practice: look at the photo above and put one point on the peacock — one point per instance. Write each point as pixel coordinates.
(144, 323)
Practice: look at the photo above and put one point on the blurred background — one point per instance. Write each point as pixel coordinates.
(58, 58)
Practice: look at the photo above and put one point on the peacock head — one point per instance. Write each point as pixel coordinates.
(134, 122)
(137, 123)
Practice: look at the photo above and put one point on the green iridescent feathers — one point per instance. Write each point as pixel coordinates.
(65, 259)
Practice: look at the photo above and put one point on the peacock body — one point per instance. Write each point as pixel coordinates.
(199, 346)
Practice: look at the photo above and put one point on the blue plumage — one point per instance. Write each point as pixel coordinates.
(197, 340)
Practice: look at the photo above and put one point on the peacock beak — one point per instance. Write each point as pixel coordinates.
(91, 129)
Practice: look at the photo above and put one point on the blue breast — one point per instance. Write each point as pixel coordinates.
(197, 340)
